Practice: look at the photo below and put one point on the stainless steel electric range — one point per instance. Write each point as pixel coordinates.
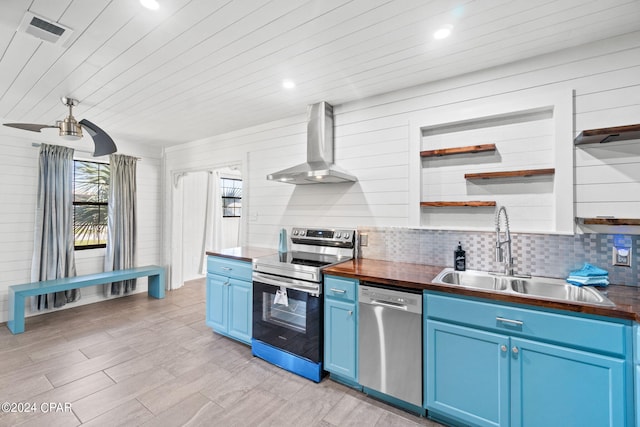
(287, 299)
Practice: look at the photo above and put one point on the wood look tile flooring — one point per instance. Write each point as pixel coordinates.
(141, 361)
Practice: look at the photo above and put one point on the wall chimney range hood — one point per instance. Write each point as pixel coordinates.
(319, 168)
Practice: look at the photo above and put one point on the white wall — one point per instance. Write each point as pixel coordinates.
(372, 140)
(18, 187)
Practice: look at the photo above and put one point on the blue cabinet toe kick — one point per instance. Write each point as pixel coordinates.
(290, 362)
(394, 401)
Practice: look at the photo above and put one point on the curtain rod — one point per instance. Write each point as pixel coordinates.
(37, 144)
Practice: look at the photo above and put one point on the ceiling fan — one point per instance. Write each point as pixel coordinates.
(72, 129)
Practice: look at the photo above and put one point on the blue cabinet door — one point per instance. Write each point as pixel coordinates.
(240, 310)
(551, 383)
(340, 338)
(217, 302)
(466, 374)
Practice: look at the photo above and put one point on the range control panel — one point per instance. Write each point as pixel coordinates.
(323, 236)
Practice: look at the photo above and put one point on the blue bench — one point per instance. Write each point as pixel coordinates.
(18, 293)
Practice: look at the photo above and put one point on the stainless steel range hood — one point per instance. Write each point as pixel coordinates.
(319, 168)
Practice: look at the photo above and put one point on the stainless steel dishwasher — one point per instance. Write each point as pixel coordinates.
(390, 341)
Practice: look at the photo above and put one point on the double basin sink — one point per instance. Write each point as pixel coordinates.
(538, 287)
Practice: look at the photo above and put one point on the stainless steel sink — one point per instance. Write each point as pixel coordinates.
(472, 279)
(538, 287)
(558, 289)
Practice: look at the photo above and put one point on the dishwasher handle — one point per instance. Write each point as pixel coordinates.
(389, 304)
(395, 299)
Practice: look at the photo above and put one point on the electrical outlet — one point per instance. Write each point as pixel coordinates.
(364, 239)
(621, 256)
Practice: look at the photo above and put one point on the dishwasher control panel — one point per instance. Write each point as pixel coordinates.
(401, 300)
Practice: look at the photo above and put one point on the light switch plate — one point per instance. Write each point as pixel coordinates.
(621, 256)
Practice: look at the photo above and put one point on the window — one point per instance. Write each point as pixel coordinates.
(90, 195)
(231, 197)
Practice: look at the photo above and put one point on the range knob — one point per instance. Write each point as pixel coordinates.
(338, 235)
(302, 232)
(346, 235)
(295, 232)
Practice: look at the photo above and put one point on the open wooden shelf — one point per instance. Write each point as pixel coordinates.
(602, 135)
(473, 204)
(610, 221)
(458, 150)
(510, 174)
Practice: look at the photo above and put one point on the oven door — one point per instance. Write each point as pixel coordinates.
(292, 323)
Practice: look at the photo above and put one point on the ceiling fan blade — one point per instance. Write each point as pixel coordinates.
(29, 126)
(103, 143)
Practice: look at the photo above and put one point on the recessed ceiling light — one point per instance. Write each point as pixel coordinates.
(288, 84)
(443, 32)
(150, 4)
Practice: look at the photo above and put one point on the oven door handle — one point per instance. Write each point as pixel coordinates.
(285, 282)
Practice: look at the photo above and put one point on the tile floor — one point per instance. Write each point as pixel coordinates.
(141, 361)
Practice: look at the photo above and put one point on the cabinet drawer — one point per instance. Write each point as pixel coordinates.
(229, 267)
(603, 336)
(340, 288)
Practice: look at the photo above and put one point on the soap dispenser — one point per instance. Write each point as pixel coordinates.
(459, 258)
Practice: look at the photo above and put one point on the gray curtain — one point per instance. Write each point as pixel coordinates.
(53, 249)
(121, 222)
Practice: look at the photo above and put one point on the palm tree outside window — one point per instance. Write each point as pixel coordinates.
(231, 197)
(90, 207)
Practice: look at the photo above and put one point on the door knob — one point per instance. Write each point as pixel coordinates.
(515, 350)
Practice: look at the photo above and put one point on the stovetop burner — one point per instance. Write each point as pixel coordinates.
(311, 250)
(309, 262)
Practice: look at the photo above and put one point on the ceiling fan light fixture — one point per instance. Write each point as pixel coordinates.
(69, 128)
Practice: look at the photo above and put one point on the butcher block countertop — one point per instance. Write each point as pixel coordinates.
(418, 276)
(242, 253)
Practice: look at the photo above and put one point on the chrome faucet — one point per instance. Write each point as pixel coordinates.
(508, 267)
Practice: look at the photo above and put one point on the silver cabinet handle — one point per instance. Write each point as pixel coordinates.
(503, 348)
(510, 321)
(226, 283)
(350, 312)
(515, 350)
(338, 291)
(226, 268)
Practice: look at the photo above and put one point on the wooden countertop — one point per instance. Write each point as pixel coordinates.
(242, 253)
(417, 276)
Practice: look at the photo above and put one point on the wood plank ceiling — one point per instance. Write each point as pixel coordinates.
(196, 68)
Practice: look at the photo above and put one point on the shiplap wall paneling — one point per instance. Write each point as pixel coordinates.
(590, 70)
(18, 189)
(608, 183)
(375, 151)
(523, 141)
(608, 175)
(531, 129)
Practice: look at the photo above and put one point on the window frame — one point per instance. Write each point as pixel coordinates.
(87, 203)
(230, 198)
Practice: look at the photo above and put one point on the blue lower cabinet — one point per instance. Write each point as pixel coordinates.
(341, 330)
(217, 303)
(240, 310)
(504, 369)
(229, 299)
(553, 385)
(467, 374)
